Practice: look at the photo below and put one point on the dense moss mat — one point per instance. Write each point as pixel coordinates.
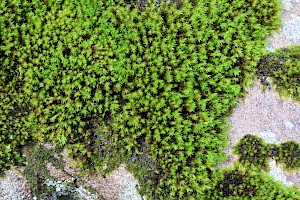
(112, 81)
(283, 67)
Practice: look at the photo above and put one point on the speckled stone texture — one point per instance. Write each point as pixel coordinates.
(14, 187)
(265, 114)
(290, 31)
(118, 185)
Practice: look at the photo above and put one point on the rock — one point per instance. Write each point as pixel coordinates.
(292, 28)
(270, 47)
(269, 137)
(14, 186)
(286, 4)
(130, 191)
(120, 184)
(277, 173)
(69, 189)
(288, 124)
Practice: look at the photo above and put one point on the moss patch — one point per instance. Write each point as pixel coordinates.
(283, 67)
(254, 152)
(289, 156)
(244, 183)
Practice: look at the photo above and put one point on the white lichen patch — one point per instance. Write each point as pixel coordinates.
(129, 184)
(269, 137)
(286, 4)
(130, 192)
(67, 188)
(292, 29)
(276, 171)
(288, 124)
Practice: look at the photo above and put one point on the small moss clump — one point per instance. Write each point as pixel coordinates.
(289, 155)
(242, 183)
(236, 182)
(283, 67)
(253, 152)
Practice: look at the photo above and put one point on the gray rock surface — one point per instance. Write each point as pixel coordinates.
(14, 187)
(276, 171)
(67, 188)
(292, 28)
(269, 137)
(289, 33)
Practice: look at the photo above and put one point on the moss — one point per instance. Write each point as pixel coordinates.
(289, 156)
(163, 75)
(253, 151)
(143, 168)
(274, 150)
(244, 183)
(283, 67)
(236, 183)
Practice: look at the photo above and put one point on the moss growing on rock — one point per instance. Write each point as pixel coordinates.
(36, 171)
(253, 151)
(165, 75)
(283, 67)
(289, 155)
(240, 182)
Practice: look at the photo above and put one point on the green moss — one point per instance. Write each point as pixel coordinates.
(253, 151)
(289, 156)
(283, 67)
(245, 183)
(162, 76)
(237, 183)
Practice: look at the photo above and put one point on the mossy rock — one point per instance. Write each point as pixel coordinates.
(253, 151)
(249, 183)
(165, 75)
(289, 156)
(283, 67)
